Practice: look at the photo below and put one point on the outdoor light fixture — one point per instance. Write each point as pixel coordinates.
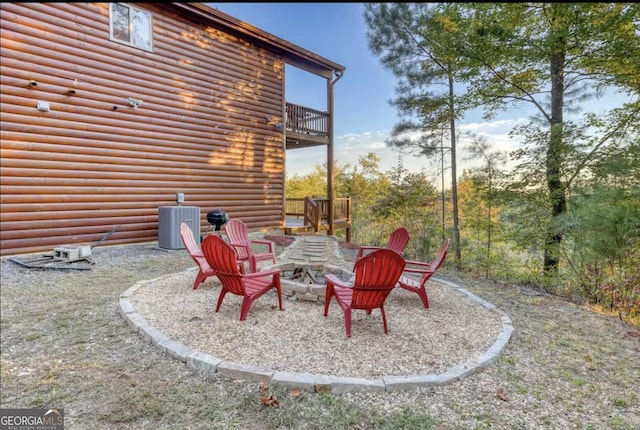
(274, 121)
(72, 91)
(134, 103)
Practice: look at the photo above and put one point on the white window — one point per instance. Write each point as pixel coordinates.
(131, 26)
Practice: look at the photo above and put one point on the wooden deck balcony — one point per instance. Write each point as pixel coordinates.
(311, 215)
(305, 127)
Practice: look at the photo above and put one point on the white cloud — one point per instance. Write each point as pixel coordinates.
(350, 147)
(482, 126)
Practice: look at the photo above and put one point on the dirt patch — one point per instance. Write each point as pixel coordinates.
(280, 240)
(348, 245)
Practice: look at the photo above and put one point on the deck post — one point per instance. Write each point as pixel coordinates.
(330, 191)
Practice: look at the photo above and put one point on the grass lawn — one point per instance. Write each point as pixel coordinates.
(63, 345)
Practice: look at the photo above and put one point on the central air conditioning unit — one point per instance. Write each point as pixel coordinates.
(169, 220)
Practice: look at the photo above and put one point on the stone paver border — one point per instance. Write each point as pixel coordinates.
(207, 364)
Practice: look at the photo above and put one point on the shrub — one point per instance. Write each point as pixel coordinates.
(621, 294)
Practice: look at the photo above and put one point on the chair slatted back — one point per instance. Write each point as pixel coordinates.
(238, 233)
(222, 259)
(192, 247)
(398, 240)
(376, 276)
(441, 256)
(189, 240)
(435, 265)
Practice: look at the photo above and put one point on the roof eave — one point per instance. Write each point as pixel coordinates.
(292, 53)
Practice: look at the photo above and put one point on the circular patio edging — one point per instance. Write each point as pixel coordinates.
(207, 364)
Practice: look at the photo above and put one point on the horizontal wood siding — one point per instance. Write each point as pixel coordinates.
(93, 162)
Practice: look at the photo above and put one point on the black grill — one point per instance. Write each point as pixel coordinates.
(217, 218)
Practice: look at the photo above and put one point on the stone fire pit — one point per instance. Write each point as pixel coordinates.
(304, 281)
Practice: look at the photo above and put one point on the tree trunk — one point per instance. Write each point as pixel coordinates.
(557, 189)
(454, 181)
(489, 197)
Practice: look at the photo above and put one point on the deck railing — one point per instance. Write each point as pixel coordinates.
(312, 213)
(315, 211)
(294, 207)
(301, 119)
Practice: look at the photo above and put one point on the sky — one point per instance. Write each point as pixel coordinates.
(363, 116)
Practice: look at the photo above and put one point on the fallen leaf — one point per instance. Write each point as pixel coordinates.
(296, 392)
(500, 394)
(588, 358)
(264, 386)
(270, 401)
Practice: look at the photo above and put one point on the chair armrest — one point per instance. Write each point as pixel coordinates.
(262, 274)
(421, 266)
(264, 242)
(334, 280)
(238, 245)
(366, 248)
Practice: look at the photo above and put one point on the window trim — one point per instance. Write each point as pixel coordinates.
(129, 43)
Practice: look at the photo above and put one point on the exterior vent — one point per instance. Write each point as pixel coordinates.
(169, 220)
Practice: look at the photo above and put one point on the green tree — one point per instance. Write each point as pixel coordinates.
(364, 183)
(416, 41)
(313, 184)
(485, 183)
(549, 55)
(409, 201)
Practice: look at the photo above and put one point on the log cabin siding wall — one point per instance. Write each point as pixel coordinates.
(94, 162)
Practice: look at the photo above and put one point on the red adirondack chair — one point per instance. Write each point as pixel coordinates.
(238, 235)
(376, 275)
(427, 270)
(398, 240)
(222, 259)
(192, 247)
